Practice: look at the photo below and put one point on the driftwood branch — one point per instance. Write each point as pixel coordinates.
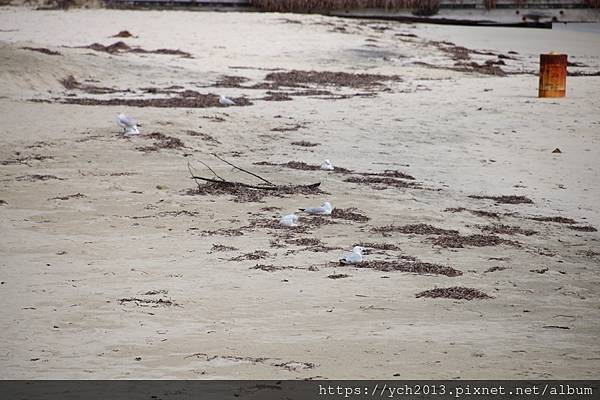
(269, 186)
(257, 187)
(211, 170)
(192, 174)
(243, 170)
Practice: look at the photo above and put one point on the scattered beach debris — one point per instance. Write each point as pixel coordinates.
(378, 246)
(560, 220)
(455, 292)
(25, 159)
(410, 265)
(161, 141)
(69, 196)
(244, 192)
(255, 255)
(291, 164)
(506, 230)
(123, 34)
(185, 99)
(304, 143)
(349, 214)
(511, 199)
(540, 270)
(458, 241)
(289, 365)
(389, 173)
(223, 232)
(494, 269)
(328, 78)
(479, 213)
(121, 47)
(155, 292)
(382, 182)
(583, 228)
(277, 96)
(338, 276)
(272, 268)
(43, 51)
(289, 127)
(222, 247)
(305, 242)
(417, 229)
(38, 177)
(204, 137)
(295, 365)
(70, 83)
(140, 302)
(231, 81)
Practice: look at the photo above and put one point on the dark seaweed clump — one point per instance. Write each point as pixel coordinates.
(410, 265)
(479, 213)
(304, 143)
(185, 99)
(162, 141)
(512, 199)
(455, 292)
(417, 229)
(43, 51)
(507, 230)
(327, 78)
(243, 193)
(255, 255)
(349, 214)
(584, 228)
(381, 182)
(458, 241)
(560, 220)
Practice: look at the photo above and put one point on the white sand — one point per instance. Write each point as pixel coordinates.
(459, 132)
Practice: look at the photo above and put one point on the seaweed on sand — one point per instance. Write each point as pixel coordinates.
(455, 292)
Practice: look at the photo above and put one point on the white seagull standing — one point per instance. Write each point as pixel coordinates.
(323, 209)
(225, 101)
(129, 125)
(355, 257)
(327, 166)
(290, 220)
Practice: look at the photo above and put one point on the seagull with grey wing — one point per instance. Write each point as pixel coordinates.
(355, 257)
(129, 125)
(323, 209)
(327, 166)
(225, 101)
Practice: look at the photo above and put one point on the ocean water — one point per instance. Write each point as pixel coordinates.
(592, 27)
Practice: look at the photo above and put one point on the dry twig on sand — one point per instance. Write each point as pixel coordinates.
(246, 191)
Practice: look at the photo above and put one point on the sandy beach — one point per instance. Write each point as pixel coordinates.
(114, 264)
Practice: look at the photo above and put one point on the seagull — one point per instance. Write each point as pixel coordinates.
(129, 125)
(327, 166)
(323, 209)
(290, 220)
(355, 257)
(225, 101)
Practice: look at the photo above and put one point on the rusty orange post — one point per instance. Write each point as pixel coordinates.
(553, 75)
